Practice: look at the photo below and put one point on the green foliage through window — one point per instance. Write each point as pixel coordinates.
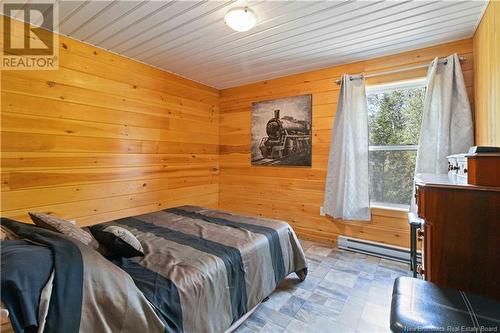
(394, 119)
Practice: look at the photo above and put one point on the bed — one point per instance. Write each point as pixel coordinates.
(202, 271)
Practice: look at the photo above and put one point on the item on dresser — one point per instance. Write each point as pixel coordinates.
(483, 149)
(457, 168)
(483, 169)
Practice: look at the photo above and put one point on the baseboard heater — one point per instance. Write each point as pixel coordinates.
(391, 252)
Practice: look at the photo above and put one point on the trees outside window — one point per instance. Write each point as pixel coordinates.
(394, 118)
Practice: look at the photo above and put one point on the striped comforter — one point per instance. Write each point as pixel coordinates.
(202, 270)
(209, 267)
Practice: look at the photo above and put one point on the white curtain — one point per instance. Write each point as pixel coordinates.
(346, 188)
(447, 119)
(447, 126)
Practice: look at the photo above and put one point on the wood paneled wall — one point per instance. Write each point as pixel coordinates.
(487, 76)
(105, 137)
(296, 194)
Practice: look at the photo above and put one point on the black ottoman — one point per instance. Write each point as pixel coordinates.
(421, 306)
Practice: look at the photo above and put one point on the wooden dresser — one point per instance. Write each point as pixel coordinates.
(461, 236)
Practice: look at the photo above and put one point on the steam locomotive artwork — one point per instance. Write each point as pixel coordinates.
(285, 138)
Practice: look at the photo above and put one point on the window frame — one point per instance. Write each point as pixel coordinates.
(396, 85)
(383, 88)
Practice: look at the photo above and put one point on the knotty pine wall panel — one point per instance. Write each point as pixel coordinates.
(487, 76)
(105, 137)
(296, 194)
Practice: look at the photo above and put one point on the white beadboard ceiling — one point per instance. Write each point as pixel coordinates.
(190, 38)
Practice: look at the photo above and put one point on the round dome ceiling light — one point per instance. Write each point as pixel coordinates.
(240, 19)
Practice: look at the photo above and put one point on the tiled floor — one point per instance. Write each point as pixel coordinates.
(344, 292)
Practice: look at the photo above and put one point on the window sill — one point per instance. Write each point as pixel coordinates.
(389, 206)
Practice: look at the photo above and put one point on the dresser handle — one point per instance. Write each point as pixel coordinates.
(420, 234)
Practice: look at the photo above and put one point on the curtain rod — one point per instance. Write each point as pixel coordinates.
(362, 75)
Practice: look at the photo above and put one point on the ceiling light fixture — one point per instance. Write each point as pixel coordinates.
(240, 19)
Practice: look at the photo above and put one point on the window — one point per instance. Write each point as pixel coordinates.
(394, 118)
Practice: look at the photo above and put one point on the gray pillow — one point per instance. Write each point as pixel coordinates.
(65, 227)
(117, 240)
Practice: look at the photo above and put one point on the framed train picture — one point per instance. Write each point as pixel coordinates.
(281, 132)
